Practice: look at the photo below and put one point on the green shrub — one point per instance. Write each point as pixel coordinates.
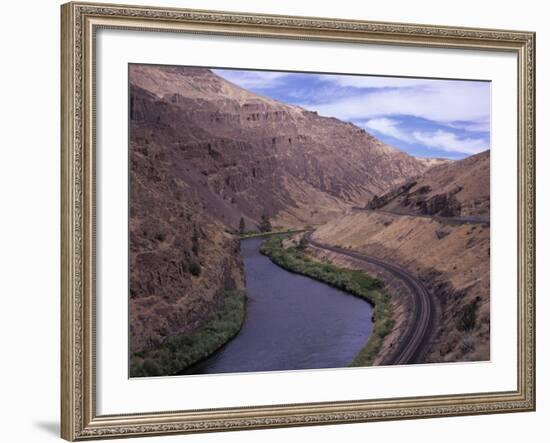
(265, 224)
(195, 241)
(242, 226)
(195, 268)
(150, 368)
(182, 351)
(303, 243)
(468, 315)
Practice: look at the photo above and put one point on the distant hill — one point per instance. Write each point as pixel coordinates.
(453, 188)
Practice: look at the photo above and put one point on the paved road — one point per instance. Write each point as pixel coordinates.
(414, 342)
(459, 220)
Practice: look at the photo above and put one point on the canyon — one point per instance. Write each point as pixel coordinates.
(239, 154)
(447, 248)
(208, 157)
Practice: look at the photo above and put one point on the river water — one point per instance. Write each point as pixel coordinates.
(292, 322)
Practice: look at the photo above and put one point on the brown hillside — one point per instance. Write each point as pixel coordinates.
(241, 154)
(454, 188)
(453, 258)
(453, 261)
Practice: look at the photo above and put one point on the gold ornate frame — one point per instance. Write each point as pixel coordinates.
(79, 420)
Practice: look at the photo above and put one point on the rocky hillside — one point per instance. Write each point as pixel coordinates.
(181, 261)
(237, 154)
(453, 261)
(450, 189)
(452, 257)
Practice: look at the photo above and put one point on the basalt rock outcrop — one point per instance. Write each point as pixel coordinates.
(450, 189)
(446, 205)
(182, 261)
(239, 154)
(379, 202)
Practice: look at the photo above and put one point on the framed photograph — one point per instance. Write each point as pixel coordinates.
(282, 221)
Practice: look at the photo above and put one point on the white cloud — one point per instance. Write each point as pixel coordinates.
(447, 141)
(457, 104)
(389, 127)
(252, 79)
(481, 126)
(444, 101)
(362, 81)
(441, 101)
(438, 139)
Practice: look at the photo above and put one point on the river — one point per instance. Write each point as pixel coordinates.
(292, 322)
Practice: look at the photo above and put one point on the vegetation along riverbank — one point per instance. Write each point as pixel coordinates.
(355, 282)
(254, 234)
(182, 351)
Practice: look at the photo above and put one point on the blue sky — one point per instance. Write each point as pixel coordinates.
(424, 117)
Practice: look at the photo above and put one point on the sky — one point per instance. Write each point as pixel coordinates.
(424, 117)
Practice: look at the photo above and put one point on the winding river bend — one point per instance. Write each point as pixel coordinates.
(292, 322)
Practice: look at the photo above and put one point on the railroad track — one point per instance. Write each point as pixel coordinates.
(414, 342)
(457, 220)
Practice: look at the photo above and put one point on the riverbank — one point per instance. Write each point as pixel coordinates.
(182, 351)
(353, 281)
(269, 233)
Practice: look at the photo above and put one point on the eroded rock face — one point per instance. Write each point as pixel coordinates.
(449, 189)
(380, 202)
(181, 262)
(445, 205)
(245, 155)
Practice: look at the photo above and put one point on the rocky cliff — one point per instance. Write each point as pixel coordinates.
(182, 262)
(450, 189)
(241, 154)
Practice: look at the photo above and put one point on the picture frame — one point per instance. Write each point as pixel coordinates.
(79, 241)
